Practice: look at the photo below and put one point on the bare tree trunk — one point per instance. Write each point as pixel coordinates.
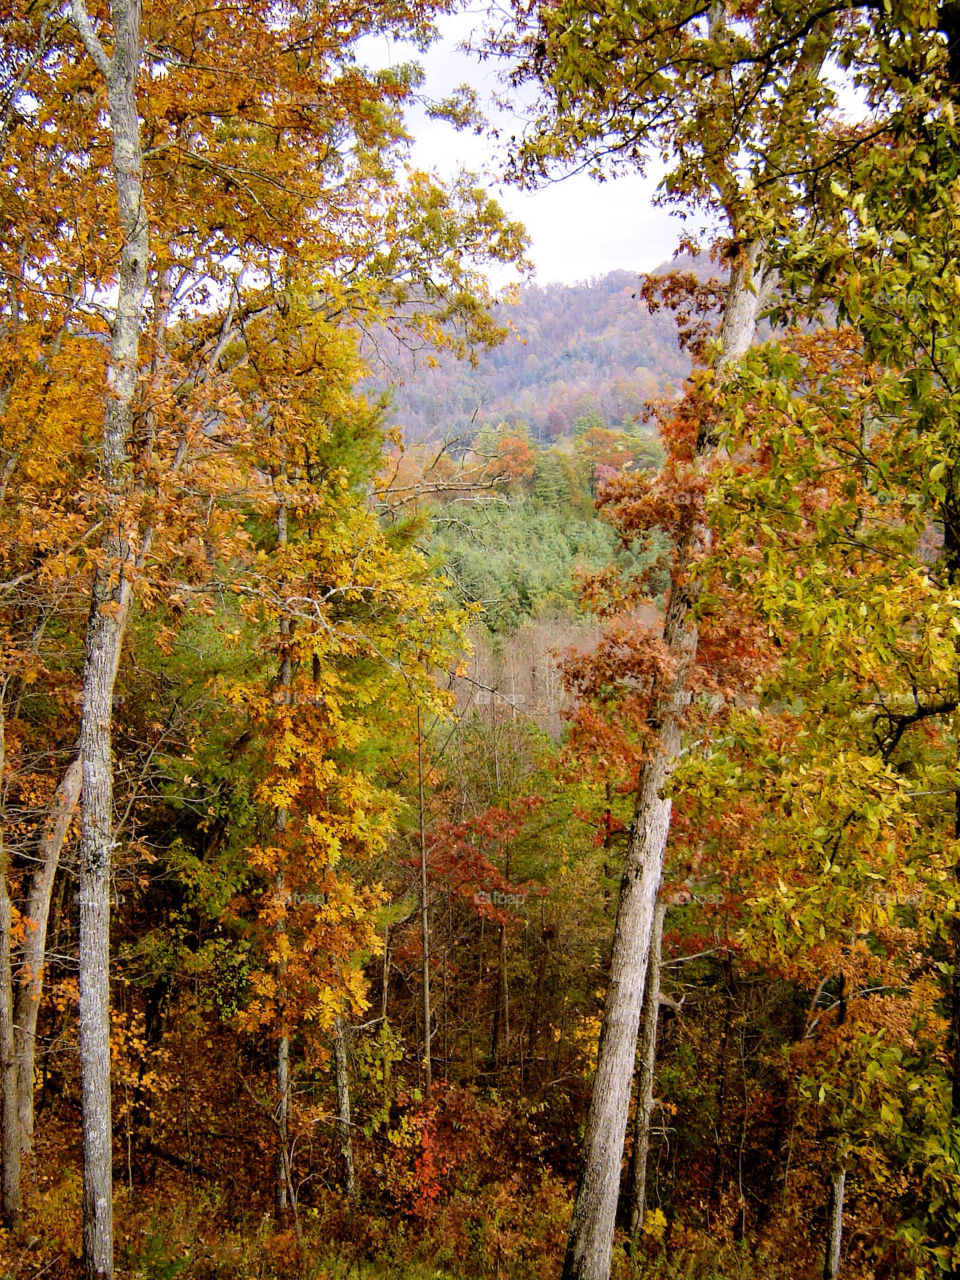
(348, 1176)
(533, 1027)
(424, 917)
(284, 1171)
(500, 1049)
(831, 1262)
(283, 1126)
(590, 1241)
(500, 1038)
(385, 982)
(8, 1066)
(645, 1077)
(592, 1225)
(10, 1174)
(104, 640)
(109, 608)
(30, 984)
(446, 1008)
(719, 1106)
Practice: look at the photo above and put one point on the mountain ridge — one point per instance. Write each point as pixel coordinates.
(583, 350)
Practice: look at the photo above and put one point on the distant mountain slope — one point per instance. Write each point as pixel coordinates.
(576, 350)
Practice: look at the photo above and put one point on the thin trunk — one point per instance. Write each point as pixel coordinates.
(104, 640)
(533, 1028)
(8, 1068)
(284, 1172)
(952, 540)
(283, 1126)
(30, 984)
(948, 21)
(109, 608)
(590, 1241)
(445, 1046)
(607, 843)
(645, 1077)
(348, 1176)
(950, 514)
(59, 1030)
(10, 1176)
(719, 1105)
(831, 1262)
(500, 1037)
(424, 916)
(385, 981)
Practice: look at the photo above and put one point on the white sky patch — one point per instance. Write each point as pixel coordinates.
(579, 228)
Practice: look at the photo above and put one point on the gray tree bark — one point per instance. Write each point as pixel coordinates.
(424, 918)
(831, 1261)
(348, 1175)
(590, 1242)
(8, 1068)
(500, 1038)
(645, 1076)
(284, 1172)
(30, 983)
(10, 1203)
(109, 610)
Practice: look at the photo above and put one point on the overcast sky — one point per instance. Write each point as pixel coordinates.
(578, 227)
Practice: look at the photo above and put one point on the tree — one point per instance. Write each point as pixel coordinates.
(709, 169)
(736, 96)
(213, 154)
(109, 608)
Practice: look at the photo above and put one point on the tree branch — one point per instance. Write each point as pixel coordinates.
(91, 41)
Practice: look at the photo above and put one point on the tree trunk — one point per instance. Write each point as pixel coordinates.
(719, 1105)
(104, 640)
(594, 1212)
(8, 1067)
(831, 1262)
(284, 1172)
(385, 982)
(10, 1173)
(500, 1036)
(30, 984)
(954, 1033)
(109, 608)
(645, 1077)
(348, 1177)
(533, 1028)
(424, 917)
(590, 1241)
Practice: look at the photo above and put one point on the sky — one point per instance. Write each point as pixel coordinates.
(579, 228)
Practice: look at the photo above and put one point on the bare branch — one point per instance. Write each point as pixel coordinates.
(91, 41)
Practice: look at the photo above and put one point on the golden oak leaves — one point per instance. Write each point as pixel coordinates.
(259, 130)
(272, 166)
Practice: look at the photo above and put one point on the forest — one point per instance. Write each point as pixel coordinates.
(570, 351)
(479, 774)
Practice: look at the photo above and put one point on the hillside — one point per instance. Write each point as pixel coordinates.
(573, 350)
